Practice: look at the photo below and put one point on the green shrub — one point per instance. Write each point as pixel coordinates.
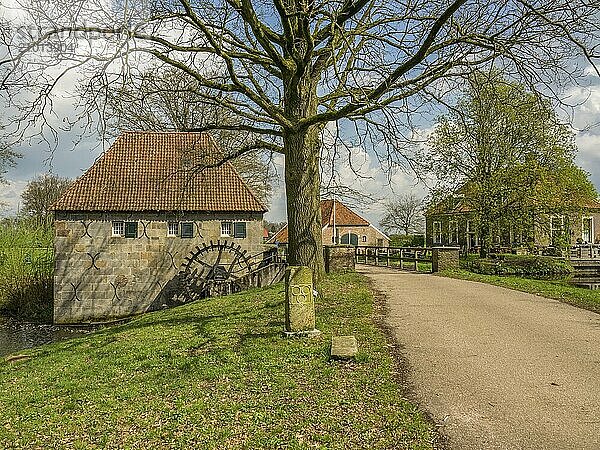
(410, 240)
(522, 265)
(26, 266)
(28, 297)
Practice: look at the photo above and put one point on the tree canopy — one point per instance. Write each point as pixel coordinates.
(404, 214)
(40, 193)
(507, 154)
(286, 68)
(170, 100)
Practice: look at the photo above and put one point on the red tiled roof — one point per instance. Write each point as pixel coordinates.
(158, 171)
(280, 237)
(343, 216)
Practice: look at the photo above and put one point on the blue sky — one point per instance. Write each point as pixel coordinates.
(68, 162)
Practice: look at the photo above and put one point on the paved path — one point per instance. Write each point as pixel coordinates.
(500, 369)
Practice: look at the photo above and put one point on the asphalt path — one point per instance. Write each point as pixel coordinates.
(496, 368)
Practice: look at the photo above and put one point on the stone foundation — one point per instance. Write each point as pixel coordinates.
(339, 259)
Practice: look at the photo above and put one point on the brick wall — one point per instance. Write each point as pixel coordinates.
(99, 277)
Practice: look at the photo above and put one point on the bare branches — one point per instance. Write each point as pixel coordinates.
(365, 61)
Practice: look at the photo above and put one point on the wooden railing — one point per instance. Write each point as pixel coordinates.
(407, 258)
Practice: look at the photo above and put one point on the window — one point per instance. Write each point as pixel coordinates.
(187, 229)
(587, 229)
(118, 228)
(239, 230)
(225, 228)
(453, 232)
(131, 229)
(350, 239)
(437, 232)
(364, 238)
(557, 224)
(172, 228)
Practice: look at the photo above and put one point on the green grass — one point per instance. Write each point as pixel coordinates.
(215, 374)
(556, 289)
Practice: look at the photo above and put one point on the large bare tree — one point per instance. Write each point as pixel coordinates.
(286, 68)
(404, 214)
(171, 100)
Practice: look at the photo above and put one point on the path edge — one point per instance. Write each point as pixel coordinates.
(401, 364)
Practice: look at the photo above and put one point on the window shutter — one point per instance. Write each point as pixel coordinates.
(131, 229)
(187, 229)
(239, 229)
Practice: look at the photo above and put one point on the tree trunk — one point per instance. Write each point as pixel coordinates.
(302, 181)
(302, 147)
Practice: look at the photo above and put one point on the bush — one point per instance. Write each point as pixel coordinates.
(28, 297)
(409, 240)
(522, 265)
(26, 266)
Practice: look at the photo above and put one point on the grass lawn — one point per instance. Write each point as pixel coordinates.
(215, 374)
(557, 289)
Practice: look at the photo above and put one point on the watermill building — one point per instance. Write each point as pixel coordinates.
(127, 227)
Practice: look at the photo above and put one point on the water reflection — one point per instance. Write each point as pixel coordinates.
(16, 336)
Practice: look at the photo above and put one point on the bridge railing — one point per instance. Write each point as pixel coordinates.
(418, 259)
(584, 251)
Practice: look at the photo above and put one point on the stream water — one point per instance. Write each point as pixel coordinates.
(16, 336)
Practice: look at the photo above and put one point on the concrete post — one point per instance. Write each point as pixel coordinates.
(339, 258)
(444, 258)
(299, 302)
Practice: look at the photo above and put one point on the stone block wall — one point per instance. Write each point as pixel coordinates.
(99, 277)
(444, 258)
(339, 259)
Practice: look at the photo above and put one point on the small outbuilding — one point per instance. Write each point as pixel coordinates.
(152, 203)
(341, 225)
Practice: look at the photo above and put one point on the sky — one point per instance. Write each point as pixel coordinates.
(71, 162)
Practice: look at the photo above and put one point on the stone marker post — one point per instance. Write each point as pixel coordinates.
(299, 302)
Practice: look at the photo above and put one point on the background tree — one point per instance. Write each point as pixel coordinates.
(286, 68)
(8, 158)
(405, 215)
(40, 193)
(505, 151)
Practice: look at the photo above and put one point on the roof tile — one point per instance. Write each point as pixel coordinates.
(159, 171)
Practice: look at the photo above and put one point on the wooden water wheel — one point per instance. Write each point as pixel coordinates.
(214, 269)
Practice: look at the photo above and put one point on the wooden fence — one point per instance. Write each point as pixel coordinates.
(406, 258)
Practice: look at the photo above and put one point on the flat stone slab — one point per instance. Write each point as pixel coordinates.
(343, 347)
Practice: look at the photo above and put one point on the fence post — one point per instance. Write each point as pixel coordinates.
(444, 258)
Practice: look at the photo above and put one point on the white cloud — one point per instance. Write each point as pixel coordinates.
(10, 196)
